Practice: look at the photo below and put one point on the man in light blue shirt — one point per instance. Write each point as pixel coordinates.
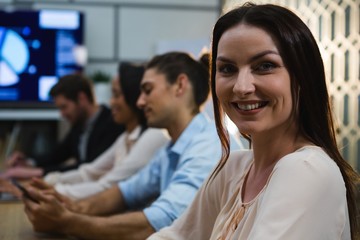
(174, 174)
(173, 88)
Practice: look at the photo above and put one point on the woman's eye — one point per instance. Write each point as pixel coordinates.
(226, 69)
(265, 67)
(116, 94)
(147, 91)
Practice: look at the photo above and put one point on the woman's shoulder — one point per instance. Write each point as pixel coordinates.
(310, 157)
(311, 162)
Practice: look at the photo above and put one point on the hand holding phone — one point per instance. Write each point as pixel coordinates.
(16, 159)
(24, 191)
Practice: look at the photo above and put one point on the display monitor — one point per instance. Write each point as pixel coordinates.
(36, 48)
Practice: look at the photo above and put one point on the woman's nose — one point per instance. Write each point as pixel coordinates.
(244, 84)
(140, 101)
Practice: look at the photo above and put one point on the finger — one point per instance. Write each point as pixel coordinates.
(40, 184)
(30, 206)
(29, 213)
(53, 193)
(58, 197)
(42, 197)
(37, 194)
(63, 199)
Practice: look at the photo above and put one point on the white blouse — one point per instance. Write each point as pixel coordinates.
(304, 198)
(114, 165)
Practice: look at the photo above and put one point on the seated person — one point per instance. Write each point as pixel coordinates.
(131, 151)
(173, 88)
(93, 130)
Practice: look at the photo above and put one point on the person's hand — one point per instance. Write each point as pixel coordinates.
(22, 172)
(53, 177)
(7, 187)
(40, 184)
(16, 159)
(49, 214)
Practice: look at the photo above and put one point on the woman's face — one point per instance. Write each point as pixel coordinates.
(252, 83)
(121, 111)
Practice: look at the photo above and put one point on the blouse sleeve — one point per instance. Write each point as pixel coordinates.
(79, 190)
(140, 154)
(305, 199)
(87, 171)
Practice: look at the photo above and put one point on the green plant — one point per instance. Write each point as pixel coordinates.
(100, 77)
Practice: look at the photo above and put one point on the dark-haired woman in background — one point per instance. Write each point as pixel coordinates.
(268, 77)
(131, 151)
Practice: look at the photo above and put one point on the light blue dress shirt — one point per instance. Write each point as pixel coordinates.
(174, 174)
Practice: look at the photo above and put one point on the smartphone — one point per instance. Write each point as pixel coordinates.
(23, 190)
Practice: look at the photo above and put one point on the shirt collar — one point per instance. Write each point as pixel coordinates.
(197, 124)
(134, 134)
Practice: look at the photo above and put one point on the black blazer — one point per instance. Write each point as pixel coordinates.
(104, 133)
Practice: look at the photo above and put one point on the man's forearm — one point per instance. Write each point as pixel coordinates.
(132, 225)
(107, 202)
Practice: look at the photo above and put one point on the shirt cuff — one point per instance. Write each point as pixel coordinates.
(157, 218)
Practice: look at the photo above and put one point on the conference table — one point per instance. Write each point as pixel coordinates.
(14, 224)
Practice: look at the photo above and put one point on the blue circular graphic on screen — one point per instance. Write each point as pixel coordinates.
(32, 69)
(26, 31)
(14, 56)
(36, 44)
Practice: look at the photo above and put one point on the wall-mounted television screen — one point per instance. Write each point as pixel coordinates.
(36, 48)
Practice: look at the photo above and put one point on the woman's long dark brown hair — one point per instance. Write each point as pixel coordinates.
(302, 59)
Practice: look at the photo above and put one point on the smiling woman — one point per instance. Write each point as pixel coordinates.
(267, 75)
(252, 83)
